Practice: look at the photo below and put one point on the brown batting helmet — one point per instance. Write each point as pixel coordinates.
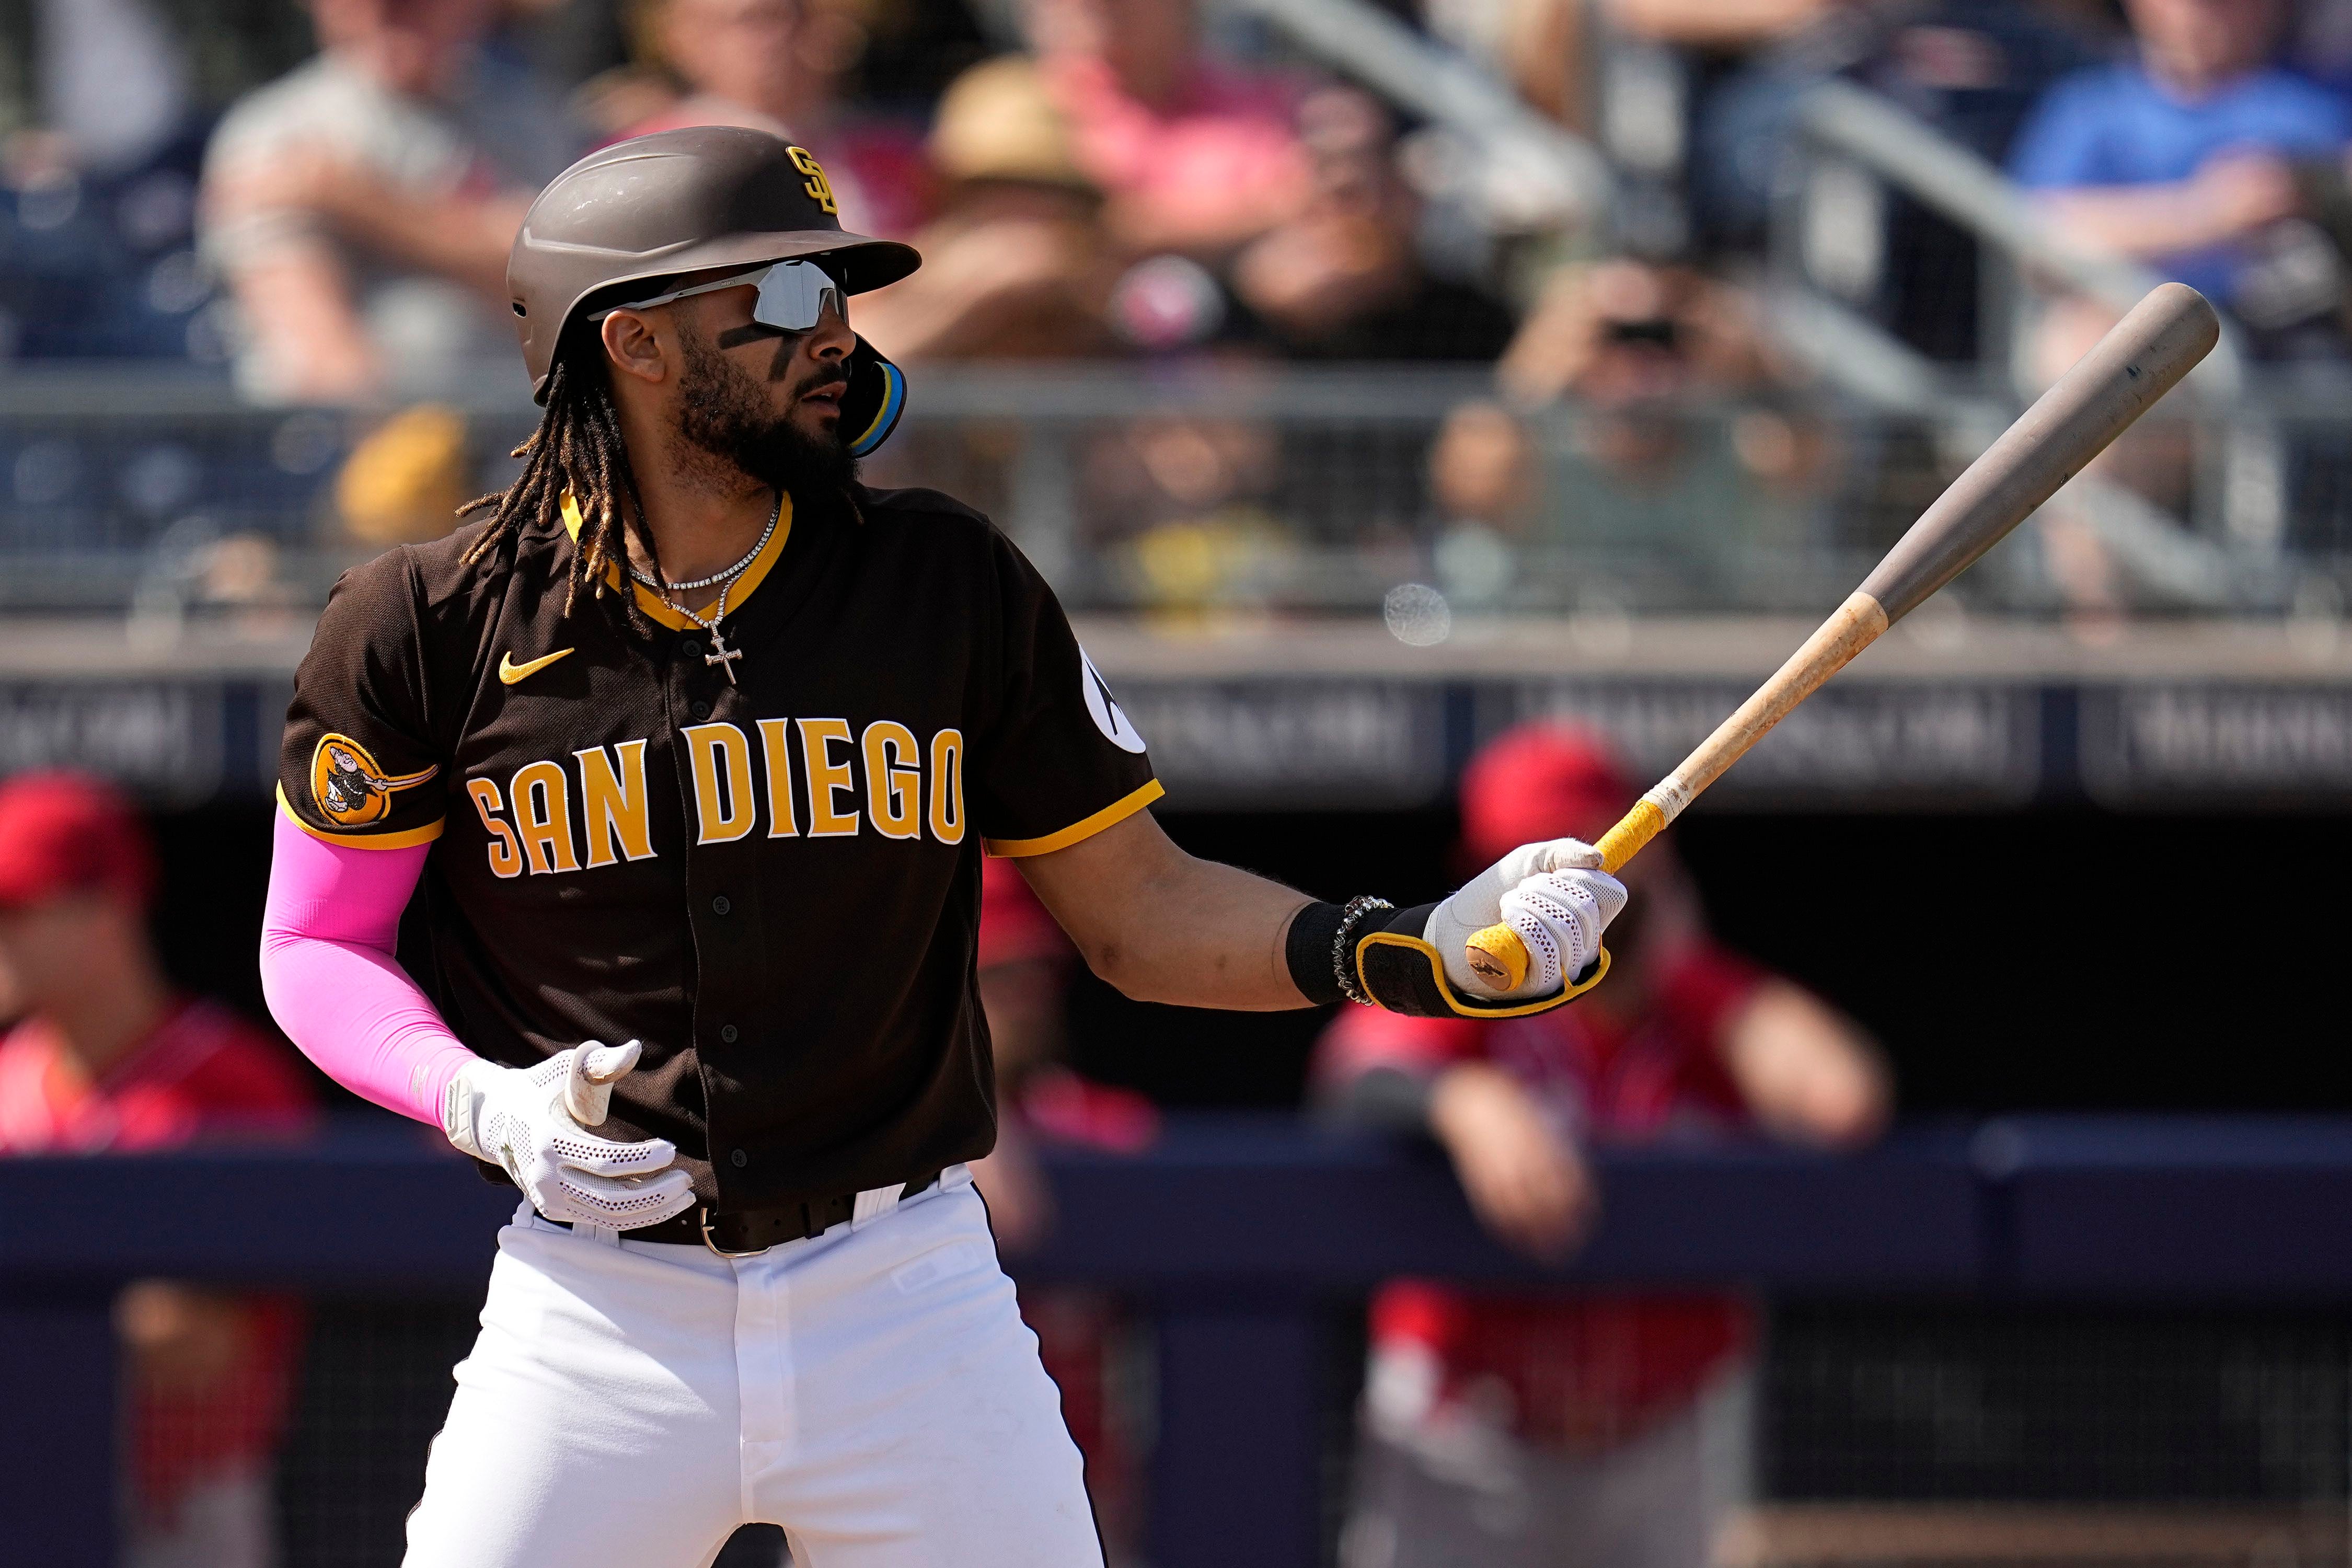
(677, 202)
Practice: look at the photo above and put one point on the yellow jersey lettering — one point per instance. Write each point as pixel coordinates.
(720, 756)
(506, 855)
(894, 779)
(947, 786)
(827, 778)
(613, 803)
(542, 808)
(776, 752)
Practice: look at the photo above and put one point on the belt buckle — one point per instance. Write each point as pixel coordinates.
(704, 1225)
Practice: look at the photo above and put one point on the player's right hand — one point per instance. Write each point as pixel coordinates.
(532, 1123)
(1554, 894)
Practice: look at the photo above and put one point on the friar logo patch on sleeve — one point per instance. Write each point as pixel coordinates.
(1104, 709)
(348, 786)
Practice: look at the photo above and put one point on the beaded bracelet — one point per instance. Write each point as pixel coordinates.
(1343, 945)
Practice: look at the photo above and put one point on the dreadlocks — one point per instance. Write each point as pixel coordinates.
(578, 451)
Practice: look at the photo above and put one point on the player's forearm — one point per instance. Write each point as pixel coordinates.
(2143, 222)
(1715, 23)
(299, 306)
(1807, 1072)
(466, 241)
(331, 979)
(1215, 941)
(357, 1015)
(1164, 926)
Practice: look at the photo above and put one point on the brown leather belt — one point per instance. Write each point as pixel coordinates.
(732, 1231)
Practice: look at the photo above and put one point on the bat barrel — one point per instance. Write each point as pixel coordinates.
(2140, 360)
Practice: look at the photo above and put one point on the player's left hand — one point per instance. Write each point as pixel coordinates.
(533, 1123)
(1554, 895)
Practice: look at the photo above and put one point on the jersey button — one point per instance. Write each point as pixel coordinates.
(700, 708)
(740, 1159)
(689, 647)
(719, 906)
(728, 1033)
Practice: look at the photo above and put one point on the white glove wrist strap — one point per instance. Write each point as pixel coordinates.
(461, 1106)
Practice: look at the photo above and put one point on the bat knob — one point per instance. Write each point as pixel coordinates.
(1497, 956)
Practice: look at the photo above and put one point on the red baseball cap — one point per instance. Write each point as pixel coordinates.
(1539, 781)
(65, 832)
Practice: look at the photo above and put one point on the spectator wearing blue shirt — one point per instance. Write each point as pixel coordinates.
(2188, 158)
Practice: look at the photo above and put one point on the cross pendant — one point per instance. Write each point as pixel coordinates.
(722, 656)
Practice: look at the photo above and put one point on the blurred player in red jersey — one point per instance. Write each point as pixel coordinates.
(106, 1055)
(1518, 1429)
(1025, 975)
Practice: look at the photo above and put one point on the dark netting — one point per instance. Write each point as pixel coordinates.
(2111, 1406)
(1871, 1418)
(375, 1388)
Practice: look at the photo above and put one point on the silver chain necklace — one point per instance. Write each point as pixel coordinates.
(721, 654)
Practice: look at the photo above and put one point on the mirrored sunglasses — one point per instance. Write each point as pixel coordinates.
(792, 295)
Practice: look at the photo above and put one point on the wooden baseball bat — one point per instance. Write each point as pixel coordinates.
(2139, 361)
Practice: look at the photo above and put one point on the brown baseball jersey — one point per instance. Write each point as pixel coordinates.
(773, 882)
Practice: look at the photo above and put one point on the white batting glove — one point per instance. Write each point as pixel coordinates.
(1554, 895)
(533, 1122)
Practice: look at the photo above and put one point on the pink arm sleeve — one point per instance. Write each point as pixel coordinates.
(327, 967)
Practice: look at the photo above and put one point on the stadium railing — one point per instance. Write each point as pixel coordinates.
(1236, 1235)
(1835, 264)
(1557, 178)
(1260, 488)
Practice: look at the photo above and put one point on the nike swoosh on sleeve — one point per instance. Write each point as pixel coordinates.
(511, 672)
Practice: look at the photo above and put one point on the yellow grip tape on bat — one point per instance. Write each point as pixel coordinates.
(1497, 953)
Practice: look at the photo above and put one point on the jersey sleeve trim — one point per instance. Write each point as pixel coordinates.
(1119, 811)
(408, 840)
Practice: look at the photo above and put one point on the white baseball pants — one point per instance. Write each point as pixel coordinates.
(872, 1390)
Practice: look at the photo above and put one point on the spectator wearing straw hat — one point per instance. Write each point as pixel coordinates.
(1523, 1428)
(1017, 264)
(105, 1055)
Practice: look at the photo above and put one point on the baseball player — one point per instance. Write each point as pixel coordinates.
(106, 1054)
(694, 743)
(1514, 1428)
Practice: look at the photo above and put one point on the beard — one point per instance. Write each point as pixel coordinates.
(725, 414)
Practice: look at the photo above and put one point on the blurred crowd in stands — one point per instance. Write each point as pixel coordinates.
(322, 193)
(313, 200)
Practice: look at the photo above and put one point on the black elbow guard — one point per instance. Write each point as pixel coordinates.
(1387, 965)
